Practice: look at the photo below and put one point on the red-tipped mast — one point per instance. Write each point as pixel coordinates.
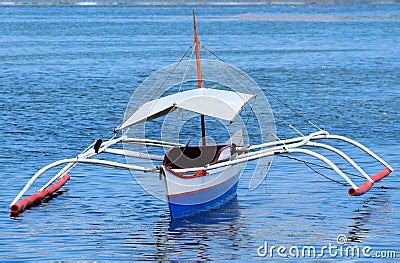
(199, 77)
(196, 46)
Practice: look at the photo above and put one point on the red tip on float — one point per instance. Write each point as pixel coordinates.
(382, 174)
(365, 187)
(19, 207)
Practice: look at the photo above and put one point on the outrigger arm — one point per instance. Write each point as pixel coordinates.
(84, 157)
(288, 146)
(294, 146)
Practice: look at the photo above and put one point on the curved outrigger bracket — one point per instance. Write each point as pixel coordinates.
(249, 153)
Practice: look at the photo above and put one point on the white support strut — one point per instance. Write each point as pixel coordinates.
(87, 153)
(327, 161)
(288, 141)
(360, 146)
(270, 153)
(324, 135)
(344, 156)
(152, 142)
(81, 160)
(134, 154)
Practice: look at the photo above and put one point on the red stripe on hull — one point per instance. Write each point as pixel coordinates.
(202, 189)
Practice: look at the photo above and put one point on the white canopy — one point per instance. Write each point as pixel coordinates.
(220, 104)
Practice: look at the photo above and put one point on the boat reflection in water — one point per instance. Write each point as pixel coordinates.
(192, 234)
(372, 210)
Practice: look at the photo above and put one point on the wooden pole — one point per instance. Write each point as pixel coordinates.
(199, 78)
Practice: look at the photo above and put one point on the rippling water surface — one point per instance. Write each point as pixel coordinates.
(66, 75)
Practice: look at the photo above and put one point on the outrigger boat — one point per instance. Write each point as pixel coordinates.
(202, 177)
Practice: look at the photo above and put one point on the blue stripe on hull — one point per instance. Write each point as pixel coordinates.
(178, 210)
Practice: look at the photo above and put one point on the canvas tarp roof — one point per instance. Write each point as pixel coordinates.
(216, 103)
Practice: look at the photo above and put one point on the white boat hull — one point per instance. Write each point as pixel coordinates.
(189, 194)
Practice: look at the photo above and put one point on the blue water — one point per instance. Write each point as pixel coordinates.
(66, 75)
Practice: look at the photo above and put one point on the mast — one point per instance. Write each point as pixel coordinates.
(199, 78)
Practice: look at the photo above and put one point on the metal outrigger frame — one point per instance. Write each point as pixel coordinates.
(249, 153)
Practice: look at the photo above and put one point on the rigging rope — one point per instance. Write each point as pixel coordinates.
(323, 166)
(289, 124)
(319, 165)
(211, 52)
(187, 66)
(164, 80)
(314, 170)
(293, 110)
(173, 69)
(272, 95)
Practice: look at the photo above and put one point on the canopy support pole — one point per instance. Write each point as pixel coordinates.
(203, 130)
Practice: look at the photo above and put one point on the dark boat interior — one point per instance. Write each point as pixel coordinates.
(192, 156)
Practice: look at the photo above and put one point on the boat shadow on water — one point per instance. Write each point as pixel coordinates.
(40, 203)
(227, 213)
(372, 210)
(192, 234)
